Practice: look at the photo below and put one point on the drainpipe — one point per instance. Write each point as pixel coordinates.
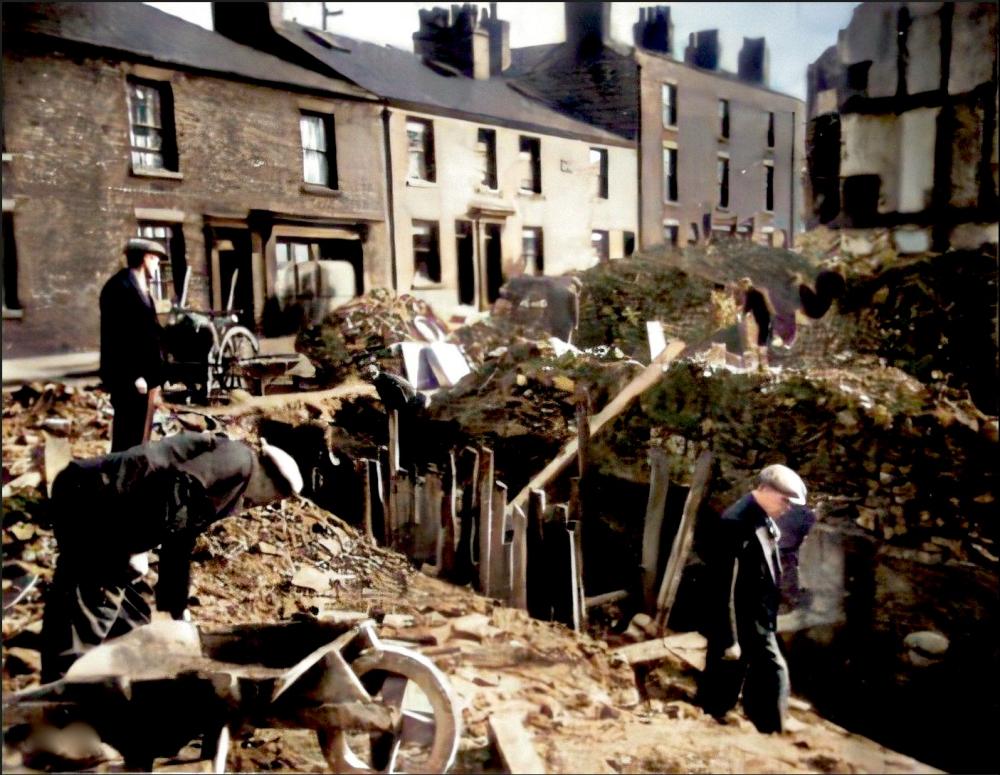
(639, 158)
(791, 191)
(388, 192)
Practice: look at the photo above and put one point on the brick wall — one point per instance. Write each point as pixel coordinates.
(75, 199)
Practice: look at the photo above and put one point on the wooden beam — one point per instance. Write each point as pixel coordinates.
(485, 517)
(539, 593)
(683, 540)
(659, 479)
(366, 482)
(605, 598)
(687, 647)
(513, 744)
(467, 474)
(575, 580)
(499, 566)
(446, 549)
(519, 560)
(582, 437)
(649, 377)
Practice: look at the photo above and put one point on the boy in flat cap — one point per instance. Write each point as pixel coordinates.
(745, 592)
(131, 352)
(108, 511)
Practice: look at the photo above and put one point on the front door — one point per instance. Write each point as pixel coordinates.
(465, 251)
(232, 249)
(493, 257)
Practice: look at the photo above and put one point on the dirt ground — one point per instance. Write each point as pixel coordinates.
(581, 706)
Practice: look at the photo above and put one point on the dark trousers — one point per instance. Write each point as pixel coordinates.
(85, 605)
(128, 429)
(761, 672)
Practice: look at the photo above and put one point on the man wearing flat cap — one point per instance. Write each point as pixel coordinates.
(745, 592)
(109, 511)
(131, 351)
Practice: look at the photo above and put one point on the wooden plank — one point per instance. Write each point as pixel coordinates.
(686, 647)
(402, 512)
(513, 744)
(659, 480)
(575, 595)
(499, 565)
(519, 560)
(427, 517)
(683, 540)
(467, 473)
(376, 488)
(485, 518)
(393, 442)
(366, 483)
(582, 437)
(448, 544)
(537, 591)
(649, 377)
(387, 495)
(605, 598)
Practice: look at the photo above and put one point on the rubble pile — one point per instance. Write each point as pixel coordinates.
(575, 701)
(361, 332)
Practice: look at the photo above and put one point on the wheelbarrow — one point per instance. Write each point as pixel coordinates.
(375, 706)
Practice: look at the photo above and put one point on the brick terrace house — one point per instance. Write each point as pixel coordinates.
(903, 125)
(122, 120)
(486, 183)
(718, 151)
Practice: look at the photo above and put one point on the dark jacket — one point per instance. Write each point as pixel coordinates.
(745, 592)
(166, 492)
(131, 344)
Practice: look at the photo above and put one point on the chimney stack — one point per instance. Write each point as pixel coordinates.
(499, 32)
(251, 24)
(753, 61)
(588, 26)
(703, 49)
(654, 31)
(457, 39)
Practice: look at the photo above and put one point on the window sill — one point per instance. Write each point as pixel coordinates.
(672, 202)
(12, 314)
(149, 172)
(481, 189)
(430, 285)
(421, 183)
(671, 127)
(318, 190)
(8, 157)
(531, 194)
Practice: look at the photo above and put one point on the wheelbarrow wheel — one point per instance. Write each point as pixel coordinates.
(237, 346)
(427, 736)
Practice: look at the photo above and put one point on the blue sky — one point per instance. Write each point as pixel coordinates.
(797, 33)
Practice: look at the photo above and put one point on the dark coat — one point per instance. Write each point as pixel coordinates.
(131, 345)
(166, 492)
(744, 589)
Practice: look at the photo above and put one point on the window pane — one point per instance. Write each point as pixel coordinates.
(314, 167)
(313, 133)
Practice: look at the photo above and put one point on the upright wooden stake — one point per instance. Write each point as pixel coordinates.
(388, 494)
(393, 442)
(431, 529)
(366, 482)
(468, 486)
(446, 548)
(659, 480)
(485, 518)
(402, 512)
(682, 542)
(539, 595)
(583, 438)
(499, 556)
(376, 500)
(519, 560)
(575, 576)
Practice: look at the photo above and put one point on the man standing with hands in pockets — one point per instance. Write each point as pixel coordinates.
(132, 361)
(745, 593)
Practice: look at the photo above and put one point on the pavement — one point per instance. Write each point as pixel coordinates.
(17, 371)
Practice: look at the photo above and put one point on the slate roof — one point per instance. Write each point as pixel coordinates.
(404, 79)
(140, 30)
(526, 58)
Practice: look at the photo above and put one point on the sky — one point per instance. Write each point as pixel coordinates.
(796, 33)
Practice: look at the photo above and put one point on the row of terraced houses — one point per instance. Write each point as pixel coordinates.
(285, 164)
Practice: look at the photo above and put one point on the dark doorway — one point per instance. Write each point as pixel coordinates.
(494, 260)
(233, 246)
(466, 262)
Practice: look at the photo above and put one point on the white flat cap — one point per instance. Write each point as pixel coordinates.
(285, 464)
(786, 481)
